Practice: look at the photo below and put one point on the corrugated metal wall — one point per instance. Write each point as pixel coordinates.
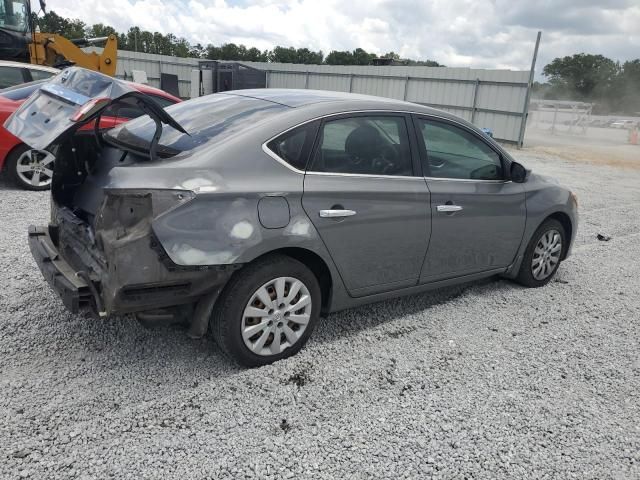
(493, 99)
(154, 65)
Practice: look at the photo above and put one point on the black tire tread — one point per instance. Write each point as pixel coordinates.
(525, 276)
(234, 295)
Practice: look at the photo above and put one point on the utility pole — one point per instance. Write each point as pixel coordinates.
(525, 110)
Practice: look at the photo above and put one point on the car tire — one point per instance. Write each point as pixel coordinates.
(543, 254)
(273, 334)
(16, 158)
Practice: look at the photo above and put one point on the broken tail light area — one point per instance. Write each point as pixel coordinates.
(90, 108)
(121, 256)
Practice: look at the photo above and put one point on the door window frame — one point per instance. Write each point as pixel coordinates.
(424, 159)
(413, 147)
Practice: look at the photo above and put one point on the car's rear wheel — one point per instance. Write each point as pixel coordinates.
(30, 169)
(543, 255)
(267, 311)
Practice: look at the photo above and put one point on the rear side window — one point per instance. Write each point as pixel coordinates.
(293, 146)
(10, 76)
(40, 74)
(364, 145)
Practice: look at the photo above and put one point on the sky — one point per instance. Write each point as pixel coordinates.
(457, 33)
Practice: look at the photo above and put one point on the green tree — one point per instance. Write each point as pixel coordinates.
(361, 57)
(304, 55)
(336, 57)
(581, 76)
(625, 96)
(51, 22)
(100, 30)
(283, 55)
(255, 55)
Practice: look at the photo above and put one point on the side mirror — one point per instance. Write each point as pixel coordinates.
(518, 173)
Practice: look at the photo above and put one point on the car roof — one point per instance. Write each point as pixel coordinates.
(298, 98)
(7, 63)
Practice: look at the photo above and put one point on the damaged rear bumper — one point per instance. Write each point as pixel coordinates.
(72, 289)
(80, 285)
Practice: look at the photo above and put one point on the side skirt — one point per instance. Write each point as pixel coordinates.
(355, 302)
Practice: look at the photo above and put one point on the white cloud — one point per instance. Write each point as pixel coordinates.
(465, 33)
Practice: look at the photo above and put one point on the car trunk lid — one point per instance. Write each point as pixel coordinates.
(71, 99)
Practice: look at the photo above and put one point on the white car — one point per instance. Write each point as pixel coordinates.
(622, 124)
(15, 73)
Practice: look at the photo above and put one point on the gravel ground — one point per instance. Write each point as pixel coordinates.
(486, 380)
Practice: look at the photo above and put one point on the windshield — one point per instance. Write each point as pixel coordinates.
(14, 15)
(214, 116)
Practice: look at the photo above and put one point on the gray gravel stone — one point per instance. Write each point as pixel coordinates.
(486, 380)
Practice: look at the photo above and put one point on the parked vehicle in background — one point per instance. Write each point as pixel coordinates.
(32, 169)
(256, 210)
(16, 73)
(622, 124)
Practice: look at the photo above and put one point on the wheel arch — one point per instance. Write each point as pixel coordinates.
(313, 262)
(5, 161)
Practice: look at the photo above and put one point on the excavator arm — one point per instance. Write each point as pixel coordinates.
(54, 50)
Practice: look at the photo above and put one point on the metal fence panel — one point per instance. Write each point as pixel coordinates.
(380, 87)
(154, 65)
(488, 98)
(493, 99)
(329, 82)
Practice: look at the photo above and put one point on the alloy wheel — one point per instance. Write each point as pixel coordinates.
(546, 254)
(276, 316)
(35, 167)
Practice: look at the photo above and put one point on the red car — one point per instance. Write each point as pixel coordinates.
(33, 169)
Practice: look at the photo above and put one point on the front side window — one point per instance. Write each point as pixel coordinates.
(453, 152)
(365, 145)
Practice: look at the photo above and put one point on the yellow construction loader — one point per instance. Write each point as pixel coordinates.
(20, 40)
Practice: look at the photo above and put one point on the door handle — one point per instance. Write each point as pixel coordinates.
(337, 213)
(449, 208)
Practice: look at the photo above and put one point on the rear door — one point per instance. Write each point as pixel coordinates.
(370, 209)
(478, 214)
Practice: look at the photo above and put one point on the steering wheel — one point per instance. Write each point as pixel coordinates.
(386, 161)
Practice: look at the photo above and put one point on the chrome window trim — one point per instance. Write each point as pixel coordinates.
(365, 175)
(447, 179)
(283, 162)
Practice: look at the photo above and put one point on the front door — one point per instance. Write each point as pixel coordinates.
(369, 208)
(478, 215)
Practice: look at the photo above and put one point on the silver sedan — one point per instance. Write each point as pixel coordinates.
(255, 212)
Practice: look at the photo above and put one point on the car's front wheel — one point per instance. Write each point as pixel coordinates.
(543, 255)
(267, 311)
(30, 169)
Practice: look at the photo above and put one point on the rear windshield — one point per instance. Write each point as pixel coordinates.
(206, 118)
